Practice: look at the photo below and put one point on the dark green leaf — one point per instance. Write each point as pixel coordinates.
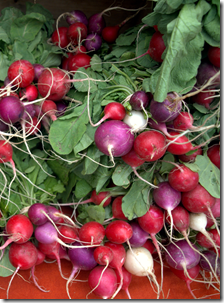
(82, 189)
(121, 175)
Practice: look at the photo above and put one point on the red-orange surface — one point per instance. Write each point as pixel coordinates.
(49, 277)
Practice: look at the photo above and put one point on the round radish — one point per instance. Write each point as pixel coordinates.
(38, 68)
(127, 277)
(49, 107)
(68, 234)
(205, 72)
(11, 109)
(77, 32)
(110, 33)
(210, 262)
(36, 213)
(117, 209)
(93, 42)
(139, 100)
(213, 153)
(156, 47)
(204, 98)
(103, 198)
(178, 145)
(181, 219)
(92, 233)
(118, 231)
(139, 236)
(192, 156)
(113, 111)
(136, 120)
(77, 61)
(205, 241)
(21, 72)
(60, 38)
(28, 93)
(77, 16)
(103, 255)
(214, 55)
(183, 121)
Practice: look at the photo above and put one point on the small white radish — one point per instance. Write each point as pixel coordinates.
(136, 120)
(139, 261)
(198, 221)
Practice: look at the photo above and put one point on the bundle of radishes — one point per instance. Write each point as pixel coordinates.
(131, 147)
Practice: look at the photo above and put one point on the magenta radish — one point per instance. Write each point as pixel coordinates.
(139, 100)
(38, 68)
(11, 109)
(127, 277)
(112, 111)
(210, 262)
(181, 255)
(197, 200)
(183, 121)
(192, 274)
(60, 38)
(206, 71)
(136, 120)
(192, 156)
(102, 281)
(92, 233)
(139, 236)
(114, 138)
(49, 108)
(178, 145)
(183, 178)
(213, 153)
(22, 256)
(118, 231)
(21, 72)
(103, 198)
(77, 61)
(161, 126)
(167, 110)
(117, 209)
(119, 255)
(93, 42)
(28, 93)
(53, 84)
(156, 47)
(76, 16)
(36, 213)
(19, 229)
(181, 219)
(61, 109)
(150, 145)
(214, 55)
(204, 98)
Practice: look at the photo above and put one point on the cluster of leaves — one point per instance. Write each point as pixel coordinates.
(24, 36)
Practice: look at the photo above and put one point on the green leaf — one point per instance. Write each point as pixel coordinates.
(8, 15)
(96, 63)
(85, 80)
(3, 35)
(4, 65)
(82, 189)
(86, 140)
(61, 170)
(121, 175)
(96, 213)
(6, 268)
(166, 167)
(21, 51)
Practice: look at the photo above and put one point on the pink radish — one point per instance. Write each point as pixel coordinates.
(139, 236)
(113, 111)
(92, 233)
(19, 229)
(21, 72)
(49, 107)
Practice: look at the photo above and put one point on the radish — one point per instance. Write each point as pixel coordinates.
(11, 109)
(136, 120)
(192, 156)
(60, 37)
(204, 98)
(77, 61)
(150, 246)
(127, 277)
(61, 109)
(77, 32)
(118, 231)
(156, 47)
(213, 153)
(181, 219)
(53, 84)
(110, 33)
(36, 213)
(139, 236)
(117, 209)
(102, 198)
(183, 178)
(119, 255)
(150, 145)
(76, 16)
(49, 108)
(21, 73)
(205, 242)
(22, 256)
(92, 233)
(197, 200)
(183, 121)
(179, 145)
(167, 110)
(206, 71)
(214, 55)
(139, 262)
(68, 234)
(139, 100)
(215, 213)
(103, 255)
(33, 126)
(102, 281)
(19, 229)
(181, 255)
(210, 262)
(38, 68)
(192, 274)
(6, 152)
(81, 258)
(112, 111)
(28, 93)
(158, 126)
(114, 138)
(93, 42)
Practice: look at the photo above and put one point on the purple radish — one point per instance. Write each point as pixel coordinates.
(158, 126)
(139, 236)
(213, 259)
(93, 42)
(11, 109)
(76, 16)
(139, 100)
(36, 214)
(38, 68)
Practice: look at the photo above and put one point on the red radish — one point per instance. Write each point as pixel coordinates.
(36, 213)
(102, 281)
(139, 100)
(45, 121)
(113, 111)
(127, 277)
(205, 242)
(29, 93)
(178, 145)
(192, 156)
(103, 198)
(103, 255)
(183, 178)
(21, 72)
(19, 229)
(93, 42)
(11, 109)
(150, 145)
(119, 256)
(155, 28)
(77, 32)
(49, 107)
(76, 16)
(197, 200)
(65, 60)
(68, 234)
(117, 209)
(110, 33)
(114, 138)
(92, 233)
(183, 121)
(156, 47)
(167, 110)
(206, 71)
(150, 246)
(6, 153)
(181, 219)
(33, 126)
(215, 213)
(192, 274)
(204, 98)
(22, 257)
(53, 84)
(214, 55)
(118, 231)
(38, 68)
(60, 38)
(40, 259)
(77, 61)
(213, 153)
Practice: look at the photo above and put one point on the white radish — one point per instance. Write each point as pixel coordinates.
(136, 120)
